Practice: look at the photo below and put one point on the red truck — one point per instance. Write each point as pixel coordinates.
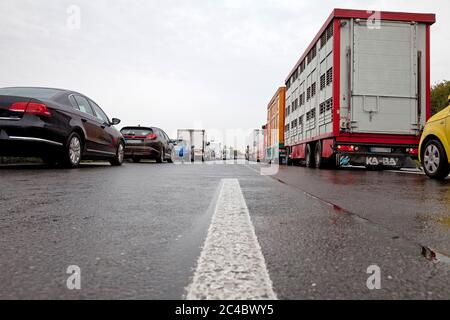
(360, 93)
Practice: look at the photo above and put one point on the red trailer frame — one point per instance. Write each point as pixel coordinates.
(297, 151)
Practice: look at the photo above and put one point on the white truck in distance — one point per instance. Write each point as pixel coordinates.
(196, 139)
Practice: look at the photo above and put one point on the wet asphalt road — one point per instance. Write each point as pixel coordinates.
(137, 231)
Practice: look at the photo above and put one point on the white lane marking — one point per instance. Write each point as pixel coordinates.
(231, 265)
(408, 171)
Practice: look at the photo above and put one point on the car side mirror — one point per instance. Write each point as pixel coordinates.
(208, 143)
(115, 121)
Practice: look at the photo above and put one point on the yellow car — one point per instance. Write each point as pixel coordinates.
(434, 148)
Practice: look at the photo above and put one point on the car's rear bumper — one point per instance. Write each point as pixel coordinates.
(141, 152)
(27, 142)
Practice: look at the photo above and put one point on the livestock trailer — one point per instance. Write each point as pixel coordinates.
(360, 93)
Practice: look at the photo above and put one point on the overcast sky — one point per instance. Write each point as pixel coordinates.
(178, 64)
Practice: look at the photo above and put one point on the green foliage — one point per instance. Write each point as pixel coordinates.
(439, 96)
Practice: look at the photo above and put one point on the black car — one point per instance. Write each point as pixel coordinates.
(60, 126)
(147, 143)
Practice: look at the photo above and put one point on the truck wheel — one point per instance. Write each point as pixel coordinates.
(434, 160)
(318, 160)
(309, 157)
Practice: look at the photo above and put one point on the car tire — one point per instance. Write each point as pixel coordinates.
(318, 160)
(309, 157)
(434, 160)
(170, 160)
(118, 158)
(160, 159)
(72, 152)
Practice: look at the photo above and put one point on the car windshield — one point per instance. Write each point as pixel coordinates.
(136, 131)
(37, 93)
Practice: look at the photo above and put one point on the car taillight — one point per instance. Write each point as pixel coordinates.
(346, 148)
(413, 151)
(18, 107)
(151, 136)
(38, 109)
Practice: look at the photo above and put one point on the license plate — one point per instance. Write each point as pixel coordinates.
(382, 161)
(381, 150)
(133, 141)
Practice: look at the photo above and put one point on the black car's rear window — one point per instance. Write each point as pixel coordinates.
(36, 93)
(136, 131)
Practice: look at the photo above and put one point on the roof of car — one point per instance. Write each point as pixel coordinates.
(61, 91)
(56, 89)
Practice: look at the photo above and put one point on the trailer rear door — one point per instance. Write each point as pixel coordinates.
(384, 81)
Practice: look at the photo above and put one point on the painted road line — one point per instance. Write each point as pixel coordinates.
(231, 265)
(408, 171)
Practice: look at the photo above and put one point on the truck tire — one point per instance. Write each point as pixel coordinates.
(434, 160)
(309, 157)
(318, 160)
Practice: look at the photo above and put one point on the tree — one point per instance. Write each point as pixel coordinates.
(439, 96)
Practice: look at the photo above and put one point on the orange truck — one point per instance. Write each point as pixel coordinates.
(275, 151)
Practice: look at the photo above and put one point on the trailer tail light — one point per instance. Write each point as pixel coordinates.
(38, 109)
(413, 151)
(347, 148)
(151, 136)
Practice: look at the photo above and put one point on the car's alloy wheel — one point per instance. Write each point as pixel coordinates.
(72, 156)
(432, 158)
(435, 162)
(121, 153)
(172, 157)
(75, 151)
(161, 157)
(118, 159)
